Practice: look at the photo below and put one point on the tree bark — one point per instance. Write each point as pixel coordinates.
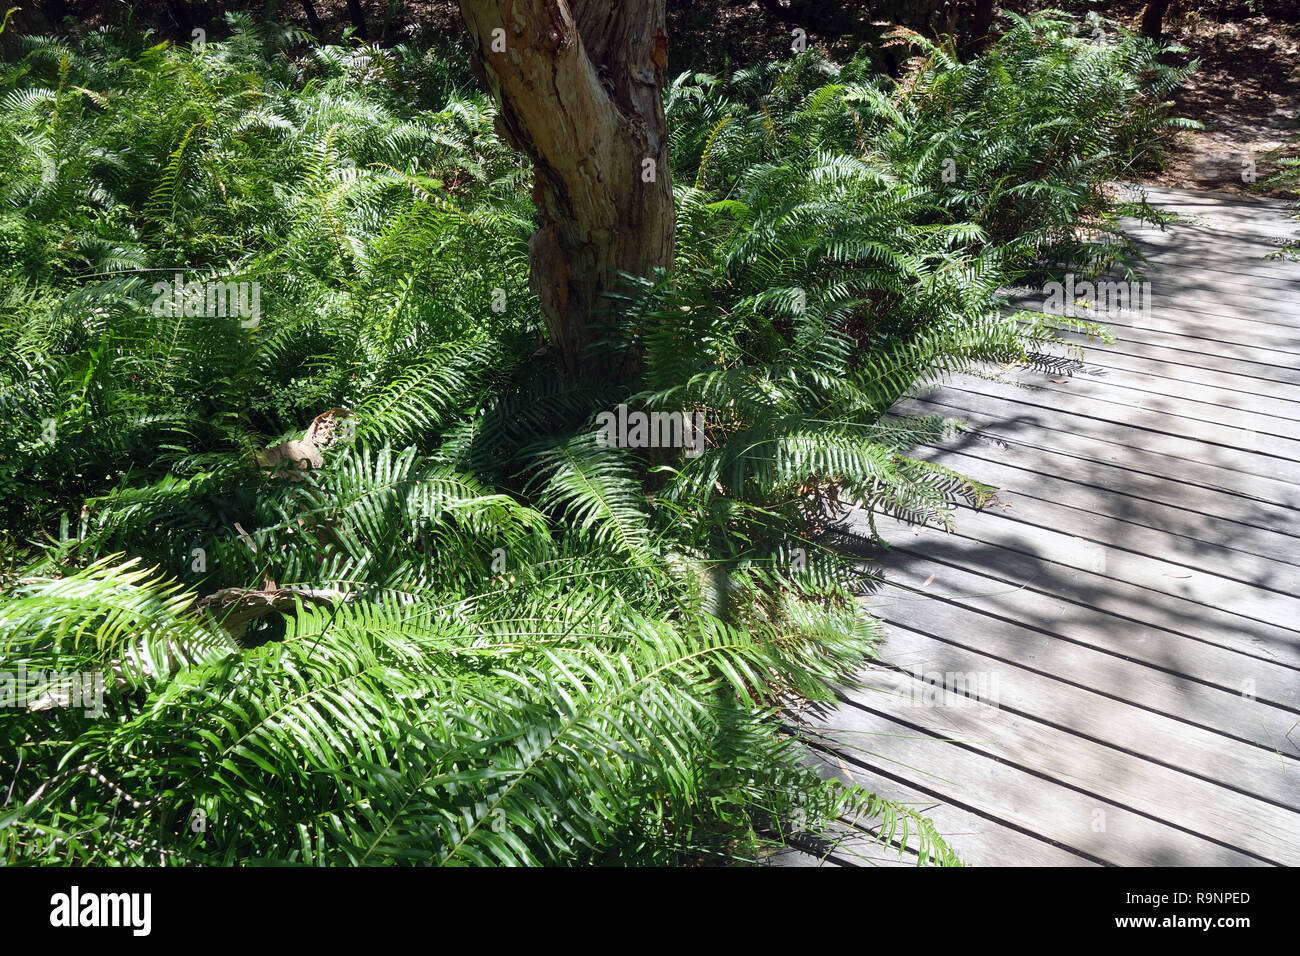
(1153, 19)
(579, 87)
(184, 19)
(981, 27)
(358, 17)
(313, 19)
(54, 11)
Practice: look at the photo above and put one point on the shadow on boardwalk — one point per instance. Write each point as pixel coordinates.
(1105, 669)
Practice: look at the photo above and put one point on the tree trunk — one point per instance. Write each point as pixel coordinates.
(184, 19)
(313, 19)
(579, 87)
(980, 27)
(1153, 19)
(358, 18)
(54, 11)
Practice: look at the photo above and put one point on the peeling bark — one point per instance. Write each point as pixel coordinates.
(578, 84)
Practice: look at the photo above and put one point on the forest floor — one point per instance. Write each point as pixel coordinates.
(1247, 96)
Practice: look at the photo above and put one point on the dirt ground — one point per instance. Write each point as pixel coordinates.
(1247, 95)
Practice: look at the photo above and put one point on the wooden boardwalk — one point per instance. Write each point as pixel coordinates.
(1105, 670)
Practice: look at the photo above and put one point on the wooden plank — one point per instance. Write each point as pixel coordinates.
(1181, 276)
(1090, 542)
(1021, 424)
(1207, 229)
(1254, 322)
(1125, 391)
(1188, 506)
(1241, 269)
(1024, 798)
(1175, 364)
(846, 843)
(1253, 256)
(1089, 647)
(1100, 712)
(978, 838)
(1198, 353)
(1083, 575)
(1256, 827)
(1235, 265)
(1140, 524)
(1127, 371)
(1236, 207)
(789, 858)
(1278, 342)
(1256, 453)
(1172, 196)
(1137, 596)
(1255, 214)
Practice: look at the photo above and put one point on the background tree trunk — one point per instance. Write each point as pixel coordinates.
(313, 19)
(1153, 19)
(579, 88)
(980, 27)
(358, 17)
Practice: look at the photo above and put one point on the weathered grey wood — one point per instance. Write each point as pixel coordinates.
(1029, 692)
(1254, 214)
(1142, 377)
(985, 841)
(1244, 269)
(1137, 523)
(958, 770)
(1215, 325)
(1092, 441)
(1097, 465)
(1257, 377)
(789, 857)
(1136, 596)
(1093, 544)
(845, 843)
(1256, 453)
(1274, 339)
(797, 858)
(1189, 399)
(1192, 274)
(1127, 660)
(1241, 270)
(1228, 356)
(1264, 830)
(1171, 377)
(1231, 221)
(1180, 507)
(1229, 649)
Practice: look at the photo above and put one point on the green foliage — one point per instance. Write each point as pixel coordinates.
(1286, 180)
(497, 640)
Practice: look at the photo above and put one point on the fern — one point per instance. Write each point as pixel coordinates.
(470, 634)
